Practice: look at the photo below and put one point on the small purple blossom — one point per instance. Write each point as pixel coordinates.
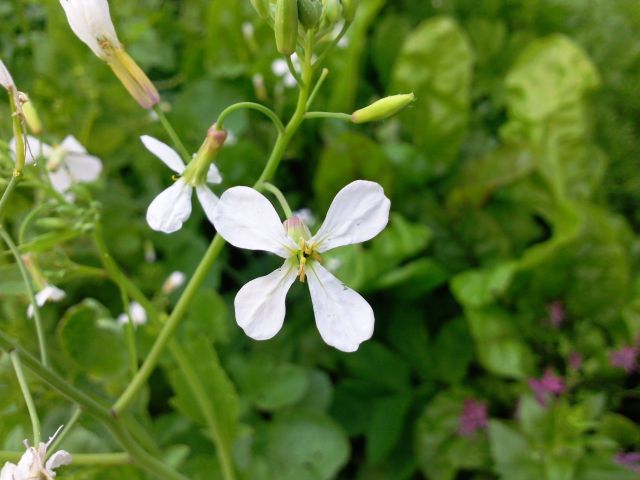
(548, 384)
(575, 360)
(556, 313)
(631, 460)
(625, 358)
(473, 418)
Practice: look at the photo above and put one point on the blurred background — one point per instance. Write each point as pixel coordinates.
(505, 287)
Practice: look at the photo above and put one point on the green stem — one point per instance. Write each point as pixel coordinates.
(7, 192)
(130, 334)
(292, 70)
(68, 427)
(172, 134)
(280, 197)
(339, 116)
(31, 406)
(252, 106)
(18, 135)
(79, 459)
(332, 45)
(32, 298)
(316, 89)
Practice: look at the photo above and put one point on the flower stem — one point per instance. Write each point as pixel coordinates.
(339, 116)
(280, 197)
(31, 406)
(172, 133)
(316, 89)
(7, 192)
(68, 427)
(32, 298)
(252, 106)
(129, 334)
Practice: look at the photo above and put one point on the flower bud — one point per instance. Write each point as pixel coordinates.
(332, 11)
(286, 26)
(349, 8)
(197, 170)
(31, 116)
(383, 108)
(309, 13)
(262, 7)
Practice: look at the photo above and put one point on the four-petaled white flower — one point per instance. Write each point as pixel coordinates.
(33, 464)
(172, 207)
(67, 163)
(49, 293)
(246, 219)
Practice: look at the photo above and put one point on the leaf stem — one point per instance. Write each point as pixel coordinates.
(7, 192)
(252, 106)
(280, 197)
(172, 133)
(31, 406)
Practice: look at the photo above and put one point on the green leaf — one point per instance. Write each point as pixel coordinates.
(274, 386)
(385, 427)
(11, 283)
(379, 365)
(92, 341)
(514, 457)
(478, 288)
(436, 64)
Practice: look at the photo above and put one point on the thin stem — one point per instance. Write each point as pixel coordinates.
(129, 331)
(316, 89)
(18, 135)
(280, 197)
(293, 71)
(31, 406)
(172, 133)
(7, 192)
(32, 298)
(68, 427)
(339, 116)
(253, 106)
(331, 46)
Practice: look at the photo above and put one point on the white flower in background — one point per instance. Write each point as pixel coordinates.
(67, 163)
(33, 464)
(306, 215)
(49, 293)
(246, 219)
(173, 282)
(138, 315)
(91, 21)
(172, 207)
(280, 69)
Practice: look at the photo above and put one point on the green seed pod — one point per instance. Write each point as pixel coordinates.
(286, 26)
(309, 13)
(349, 8)
(383, 108)
(262, 7)
(332, 11)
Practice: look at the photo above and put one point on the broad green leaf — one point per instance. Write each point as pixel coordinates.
(379, 365)
(478, 288)
(385, 427)
(273, 386)
(514, 457)
(11, 283)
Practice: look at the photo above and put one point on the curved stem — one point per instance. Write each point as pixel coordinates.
(293, 71)
(339, 116)
(280, 197)
(32, 298)
(331, 46)
(172, 133)
(31, 406)
(316, 89)
(68, 427)
(252, 106)
(7, 192)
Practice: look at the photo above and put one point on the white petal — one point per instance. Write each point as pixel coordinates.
(358, 213)
(6, 80)
(34, 148)
(213, 175)
(208, 201)
(164, 152)
(57, 459)
(60, 179)
(171, 208)
(246, 219)
(90, 20)
(72, 145)
(83, 167)
(343, 317)
(26, 463)
(8, 471)
(260, 304)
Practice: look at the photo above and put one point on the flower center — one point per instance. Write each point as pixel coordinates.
(307, 250)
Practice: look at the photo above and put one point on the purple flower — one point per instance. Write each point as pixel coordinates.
(473, 418)
(631, 460)
(575, 360)
(556, 314)
(548, 384)
(624, 358)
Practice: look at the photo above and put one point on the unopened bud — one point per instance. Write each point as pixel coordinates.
(133, 78)
(309, 13)
(383, 108)
(286, 26)
(349, 8)
(332, 10)
(262, 7)
(197, 170)
(31, 116)
(173, 282)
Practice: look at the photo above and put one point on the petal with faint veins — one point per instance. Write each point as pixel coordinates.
(171, 208)
(246, 219)
(213, 175)
(164, 152)
(358, 213)
(208, 200)
(343, 317)
(260, 304)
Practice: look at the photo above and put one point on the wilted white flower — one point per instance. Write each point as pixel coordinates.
(246, 219)
(91, 21)
(138, 315)
(173, 282)
(67, 163)
(33, 464)
(172, 207)
(49, 293)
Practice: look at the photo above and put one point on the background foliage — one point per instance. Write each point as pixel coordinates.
(514, 183)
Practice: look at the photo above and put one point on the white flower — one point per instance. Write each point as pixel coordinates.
(67, 163)
(91, 21)
(49, 293)
(138, 315)
(246, 219)
(173, 282)
(172, 207)
(33, 464)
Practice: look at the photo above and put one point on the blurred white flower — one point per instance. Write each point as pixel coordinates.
(138, 315)
(246, 219)
(49, 293)
(67, 163)
(33, 464)
(307, 217)
(173, 282)
(172, 207)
